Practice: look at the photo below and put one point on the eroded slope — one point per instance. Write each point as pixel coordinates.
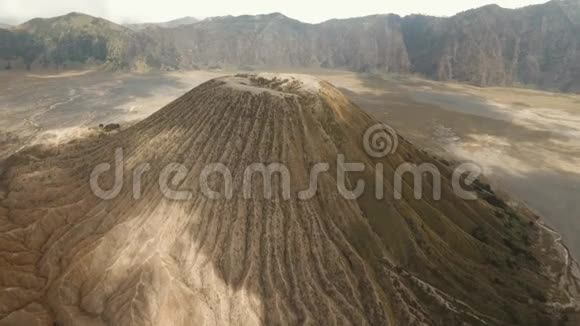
(70, 258)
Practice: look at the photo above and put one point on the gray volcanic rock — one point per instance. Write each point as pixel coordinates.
(68, 257)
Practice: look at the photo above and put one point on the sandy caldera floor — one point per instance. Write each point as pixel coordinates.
(528, 142)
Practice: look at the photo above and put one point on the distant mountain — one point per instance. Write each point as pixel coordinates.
(362, 44)
(536, 45)
(170, 24)
(5, 26)
(75, 39)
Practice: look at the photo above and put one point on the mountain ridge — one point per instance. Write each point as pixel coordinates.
(537, 45)
(187, 20)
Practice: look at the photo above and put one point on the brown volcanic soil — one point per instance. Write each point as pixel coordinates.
(70, 258)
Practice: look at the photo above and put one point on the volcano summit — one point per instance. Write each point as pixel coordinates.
(70, 257)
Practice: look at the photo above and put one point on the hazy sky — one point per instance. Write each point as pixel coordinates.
(312, 11)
